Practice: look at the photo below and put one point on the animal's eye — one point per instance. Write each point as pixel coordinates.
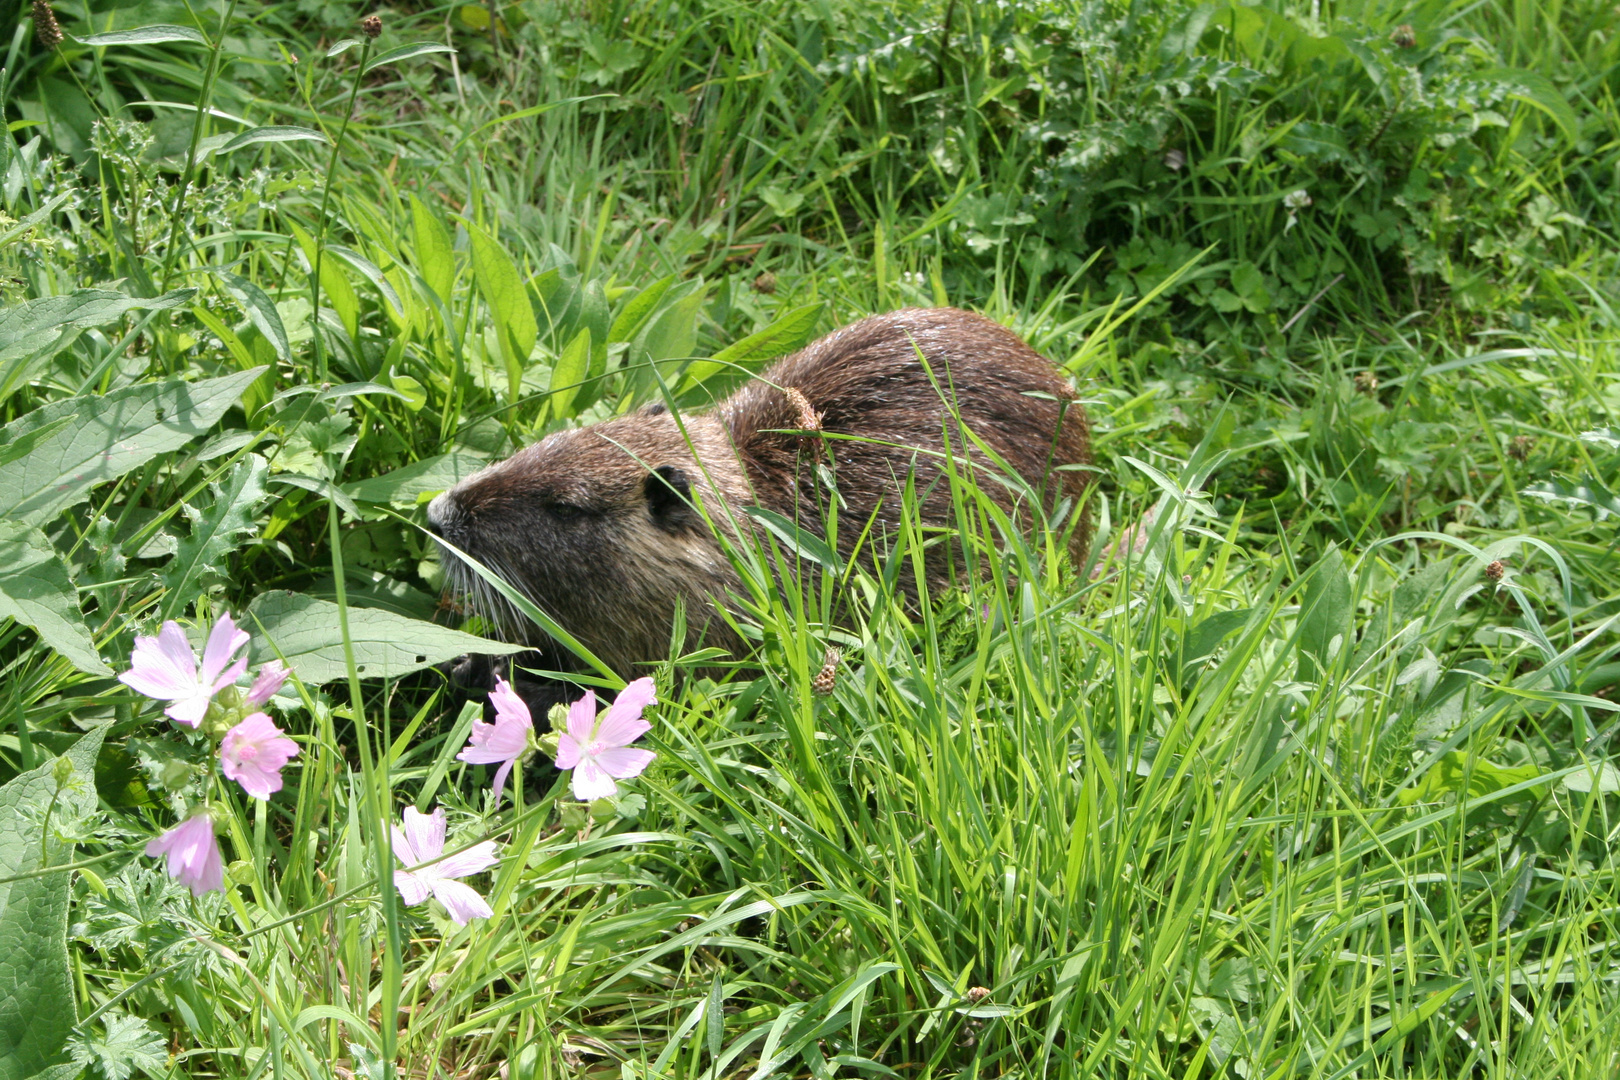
(564, 511)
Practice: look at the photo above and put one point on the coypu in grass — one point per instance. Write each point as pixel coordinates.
(598, 525)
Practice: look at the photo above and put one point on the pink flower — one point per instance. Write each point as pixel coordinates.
(253, 753)
(598, 748)
(271, 677)
(421, 840)
(165, 668)
(505, 740)
(193, 854)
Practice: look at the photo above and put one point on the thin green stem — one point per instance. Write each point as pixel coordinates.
(171, 249)
(321, 367)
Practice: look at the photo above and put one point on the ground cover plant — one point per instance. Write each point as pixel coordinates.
(1308, 772)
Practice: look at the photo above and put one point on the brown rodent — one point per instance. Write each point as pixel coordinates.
(598, 526)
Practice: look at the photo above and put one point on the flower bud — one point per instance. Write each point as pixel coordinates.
(371, 26)
(63, 771)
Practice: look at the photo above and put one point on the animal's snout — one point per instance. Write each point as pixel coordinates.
(441, 514)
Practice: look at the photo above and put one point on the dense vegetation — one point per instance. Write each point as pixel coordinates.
(1308, 773)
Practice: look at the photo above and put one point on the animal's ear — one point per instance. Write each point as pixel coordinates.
(669, 494)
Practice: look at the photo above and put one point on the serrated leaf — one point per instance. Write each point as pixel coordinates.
(406, 52)
(274, 133)
(157, 34)
(37, 591)
(214, 533)
(126, 1044)
(305, 631)
(261, 311)
(410, 483)
(30, 326)
(37, 1007)
(108, 436)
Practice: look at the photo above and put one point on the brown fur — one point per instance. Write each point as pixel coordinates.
(598, 527)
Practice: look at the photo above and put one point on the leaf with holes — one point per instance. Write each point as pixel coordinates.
(305, 632)
(215, 533)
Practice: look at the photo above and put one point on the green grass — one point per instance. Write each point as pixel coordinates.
(1312, 779)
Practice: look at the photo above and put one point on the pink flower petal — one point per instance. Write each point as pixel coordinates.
(272, 676)
(191, 710)
(582, 719)
(223, 642)
(176, 650)
(461, 901)
(623, 762)
(622, 723)
(590, 781)
(569, 751)
(192, 855)
(412, 889)
(254, 752)
(475, 860)
(508, 706)
(230, 675)
(403, 851)
(426, 832)
(499, 786)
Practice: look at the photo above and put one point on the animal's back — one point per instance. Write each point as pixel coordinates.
(890, 383)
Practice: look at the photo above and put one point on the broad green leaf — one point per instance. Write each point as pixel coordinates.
(508, 301)
(406, 52)
(571, 368)
(1324, 617)
(30, 326)
(336, 288)
(22, 447)
(1467, 776)
(342, 46)
(371, 272)
(158, 34)
(790, 331)
(215, 533)
(674, 332)
(435, 258)
(305, 631)
(1536, 90)
(410, 484)
(275, 133)
(638, 310)
(108, 437)
(37, 1005)
(261, 311)
(37, 591)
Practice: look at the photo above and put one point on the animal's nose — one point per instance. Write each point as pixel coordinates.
(438, 513)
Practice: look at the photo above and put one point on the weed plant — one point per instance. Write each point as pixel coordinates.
(1308, 772)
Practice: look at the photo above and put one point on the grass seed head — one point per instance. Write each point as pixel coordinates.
(45, 26)
(826, 680)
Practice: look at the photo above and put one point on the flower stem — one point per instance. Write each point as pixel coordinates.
(186, 175)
